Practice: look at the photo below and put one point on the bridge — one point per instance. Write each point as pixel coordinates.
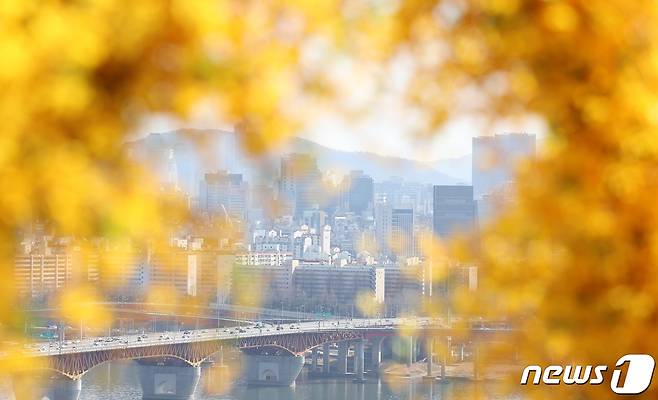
(272, 354)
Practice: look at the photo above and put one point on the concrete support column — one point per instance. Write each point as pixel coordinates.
(359, 360)
(442, 361)
(416, 348)
(314, 359)
(477, 367)
(448, 359)
(56, 387)
(269, 370)
(429, 349)
(410, 356)
(443, 369)
(343, 347)
(376, 353)
(325, 358)
(175, 382)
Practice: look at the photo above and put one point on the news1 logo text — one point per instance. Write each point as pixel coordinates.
(636, 379)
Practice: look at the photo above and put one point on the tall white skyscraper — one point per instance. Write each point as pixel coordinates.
(325, 240)
(383, 221)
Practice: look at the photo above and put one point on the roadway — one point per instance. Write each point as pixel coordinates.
(211, 334)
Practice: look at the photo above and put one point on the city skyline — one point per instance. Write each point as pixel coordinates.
(360, 222)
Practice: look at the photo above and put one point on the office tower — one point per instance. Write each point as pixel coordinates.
(223, 193)
(402, 232)
(301, 182)
(454, 209)
(496, 157)
(325, 240)
(383, 220)
(359, 193)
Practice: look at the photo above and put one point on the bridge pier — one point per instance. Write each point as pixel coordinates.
(414, 349)
(325, 358)
(376, 353)
(343, 348)
(271, 369)
(314, 359)
(477, 362)
(168, 378)
(46, 386)
(410, 356)
(429, 351)
(359, 361)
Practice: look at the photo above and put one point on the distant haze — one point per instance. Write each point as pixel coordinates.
(200, 151)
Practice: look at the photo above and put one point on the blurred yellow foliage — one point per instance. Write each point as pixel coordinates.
(573, 264)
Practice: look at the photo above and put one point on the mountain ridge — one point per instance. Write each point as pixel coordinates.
(202, 150)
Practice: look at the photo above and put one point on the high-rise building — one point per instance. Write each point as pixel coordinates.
(383, 221)
(454, 209)
(223, 193)
(496, 157)
(325, 240)
(360, 193)
(403, 242)
(301, 182)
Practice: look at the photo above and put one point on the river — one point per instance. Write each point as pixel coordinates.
(119, 381)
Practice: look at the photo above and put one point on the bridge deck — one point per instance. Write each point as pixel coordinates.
(372, 326)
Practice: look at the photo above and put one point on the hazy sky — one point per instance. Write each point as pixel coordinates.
(383, 133)
(386, 136)
(375, 92)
